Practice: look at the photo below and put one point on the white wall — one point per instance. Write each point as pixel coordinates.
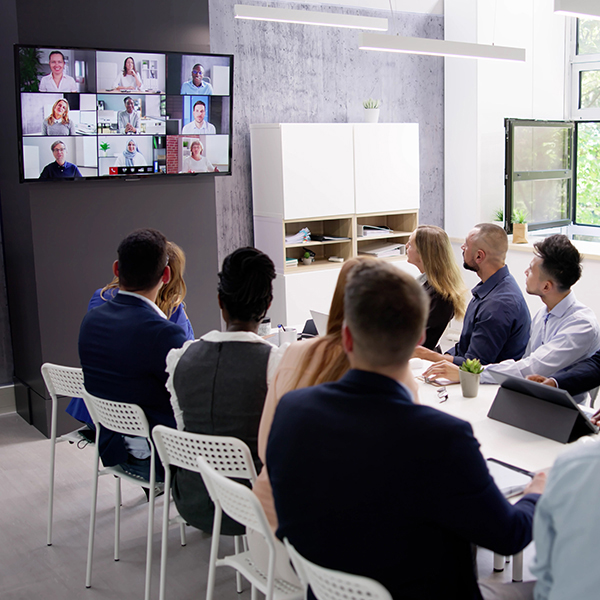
(479, 94)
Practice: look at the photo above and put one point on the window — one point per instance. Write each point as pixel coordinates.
(539, 172)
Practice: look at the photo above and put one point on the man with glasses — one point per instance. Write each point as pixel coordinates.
(196, 86)
(60, 168)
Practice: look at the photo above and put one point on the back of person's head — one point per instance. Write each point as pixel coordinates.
(172, 295)
(386, 310)
(561, 261)
(246, 284)
(434, 248)
(142, 259)
(492, 239)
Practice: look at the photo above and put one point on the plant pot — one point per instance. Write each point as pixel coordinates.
(469, 383)
(519, 233)
(371, 115)
(308, 261)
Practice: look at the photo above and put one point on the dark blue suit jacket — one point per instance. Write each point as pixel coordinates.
(123, 347)
(580, 377)
(367, 482)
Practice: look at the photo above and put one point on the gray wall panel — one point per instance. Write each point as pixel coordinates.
(295, 73)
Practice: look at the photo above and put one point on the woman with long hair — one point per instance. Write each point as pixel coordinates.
(429, 249)
(218, 383)
(304, 364)
(128, 79)
(58, 123)
(170, 300)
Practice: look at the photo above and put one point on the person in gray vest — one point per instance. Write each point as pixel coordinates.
(218, 383)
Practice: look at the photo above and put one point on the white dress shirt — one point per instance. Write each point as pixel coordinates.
(566, 527)
(192, 128)
(560, 337)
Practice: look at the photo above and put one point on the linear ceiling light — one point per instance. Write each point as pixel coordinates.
(578, 8)
(308, 17)
(413, 45)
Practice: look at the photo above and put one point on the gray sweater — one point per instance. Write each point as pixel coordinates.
(58, 128)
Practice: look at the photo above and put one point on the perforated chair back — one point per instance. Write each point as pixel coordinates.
(63, 381)
(239, 502)
(227, 455)
(328, 584)
(122, 417)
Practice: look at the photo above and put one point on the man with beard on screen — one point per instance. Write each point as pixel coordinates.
(497, 322)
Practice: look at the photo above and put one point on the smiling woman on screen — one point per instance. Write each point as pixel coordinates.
(58, 123)
(128, 79)
(131, 156)
(197, 163)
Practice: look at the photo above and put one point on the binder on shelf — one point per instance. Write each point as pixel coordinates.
(371, 230)
(539, 408)
(382, 250)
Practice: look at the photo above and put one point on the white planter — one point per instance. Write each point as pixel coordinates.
(371, 115)
(469, 384)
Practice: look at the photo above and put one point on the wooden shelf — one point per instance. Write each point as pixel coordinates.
(325, 243)
(317, 265)
(382, 236)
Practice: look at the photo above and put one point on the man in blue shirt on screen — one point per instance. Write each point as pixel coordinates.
(195, 86)
(497, 322)
(60, 168)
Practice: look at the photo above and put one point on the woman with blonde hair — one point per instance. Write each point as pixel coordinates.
(304, 364)
(58, 123)
(429, 249)
(169, 300)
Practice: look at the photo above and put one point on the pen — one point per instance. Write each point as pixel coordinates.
(282, 327)
(517, 469)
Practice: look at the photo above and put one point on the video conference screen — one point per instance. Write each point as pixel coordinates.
(108, 114)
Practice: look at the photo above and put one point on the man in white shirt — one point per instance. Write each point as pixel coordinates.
(128, 119)
(199, 125)
(563, 332)
(57, 81)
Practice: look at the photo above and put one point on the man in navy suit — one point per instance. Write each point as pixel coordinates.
(123, 346)
(367, 481)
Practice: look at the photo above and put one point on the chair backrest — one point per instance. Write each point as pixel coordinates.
(328, 584)
(238, 501)
(122, 417)
(227, 455)
(63, 381)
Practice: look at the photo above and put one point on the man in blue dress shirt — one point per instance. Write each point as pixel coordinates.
(497, 322)
(195, 86)
(60, 169)
(368, 481)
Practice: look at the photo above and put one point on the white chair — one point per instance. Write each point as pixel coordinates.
(60, 381)
(228, 455)
(127, 419)
(328, 584)
(241, 504)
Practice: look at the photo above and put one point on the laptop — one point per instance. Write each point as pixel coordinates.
(320, 320)
(511, 480)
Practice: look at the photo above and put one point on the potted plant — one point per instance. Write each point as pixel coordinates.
(371, 110)
(499, 215)
(30, 69)
(469, 374)
(104, 146)
(519, 221)
(307, 258)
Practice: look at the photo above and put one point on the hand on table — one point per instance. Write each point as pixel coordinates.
(442, 369)
(430, 355)
(537, 485)
(129, 128)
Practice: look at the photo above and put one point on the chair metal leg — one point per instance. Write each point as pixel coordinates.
(165, 534)
(214, 552)
(51, 482)
(150, 522)
(117, 516)
(517, 572)
(182, 534)
(90, 553)
(498, 563)
(238, 576)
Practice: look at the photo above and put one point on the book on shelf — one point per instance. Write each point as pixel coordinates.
(382, 250)
(373, 230)
(291, 262)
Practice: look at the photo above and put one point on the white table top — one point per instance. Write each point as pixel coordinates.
(498, 440)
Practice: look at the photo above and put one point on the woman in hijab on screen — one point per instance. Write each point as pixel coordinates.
(131, 156)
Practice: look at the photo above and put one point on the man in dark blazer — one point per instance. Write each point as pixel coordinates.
(367, 481)
(123, 346)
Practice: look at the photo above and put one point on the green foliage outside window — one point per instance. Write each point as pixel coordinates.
(588, 36)
(588, 173)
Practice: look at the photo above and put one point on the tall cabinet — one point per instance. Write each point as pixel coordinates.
(333, 179)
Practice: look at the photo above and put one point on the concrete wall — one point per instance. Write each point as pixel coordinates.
(295, 73)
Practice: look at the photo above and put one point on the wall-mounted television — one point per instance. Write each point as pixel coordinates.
(109, 114)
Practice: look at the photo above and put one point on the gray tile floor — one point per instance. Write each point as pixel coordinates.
(29, 569)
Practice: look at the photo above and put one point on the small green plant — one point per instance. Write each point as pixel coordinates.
(519, 216)
(472, 365)
(306, 254)
(30, 69)
(104, 146)
(370, 103)
(499, 215)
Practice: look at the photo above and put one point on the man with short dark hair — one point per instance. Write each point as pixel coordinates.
(562, 332)
(497, 321)
(199, 125)
(367, 481)
(123, 346)
(196, 86)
